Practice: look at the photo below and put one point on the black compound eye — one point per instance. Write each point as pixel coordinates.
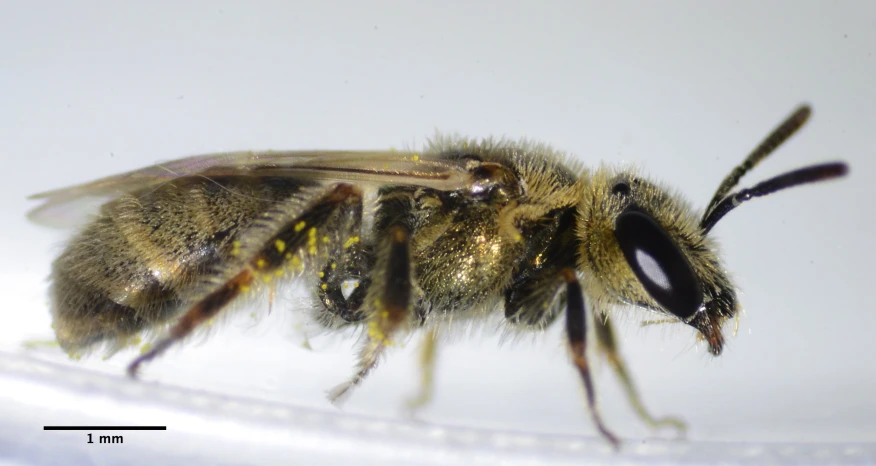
(621, 188)
(658, 263)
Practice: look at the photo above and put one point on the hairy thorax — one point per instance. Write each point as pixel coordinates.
(467, 263)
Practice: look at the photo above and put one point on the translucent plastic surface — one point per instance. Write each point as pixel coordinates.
(212, 429)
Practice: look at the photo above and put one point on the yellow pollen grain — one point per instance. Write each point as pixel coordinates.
(260, 263)
(351, 241)
(376, 334)
(244, 288)
(323, 286)
(416, 157)
(267, 278)
(374, 331)
(334, 266)
(280, 245)
(321, 274)
(288, 256)
(356, 285)
(300, 226)
(235, 248)
(325, 239)
(346, 286)
(311, 241)
(279, 272)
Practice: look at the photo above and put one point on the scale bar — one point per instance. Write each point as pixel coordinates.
(104, 427)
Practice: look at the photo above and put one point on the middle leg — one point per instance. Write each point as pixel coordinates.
(427, 371)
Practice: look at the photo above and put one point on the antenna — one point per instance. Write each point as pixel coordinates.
(779, 135)
(797, 177)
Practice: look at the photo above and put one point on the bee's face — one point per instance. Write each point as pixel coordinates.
(642, 245)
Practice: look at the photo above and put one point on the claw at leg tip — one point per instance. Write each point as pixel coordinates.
(337, 396)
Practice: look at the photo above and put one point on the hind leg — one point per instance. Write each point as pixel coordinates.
(348, 265)
(388, 304)
(300, 230)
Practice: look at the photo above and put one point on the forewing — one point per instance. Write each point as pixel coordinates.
(68, 206)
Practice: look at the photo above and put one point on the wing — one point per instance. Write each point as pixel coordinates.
(63, 207)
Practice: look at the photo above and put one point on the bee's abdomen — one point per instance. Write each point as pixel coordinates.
(85, 313)
(136, 265)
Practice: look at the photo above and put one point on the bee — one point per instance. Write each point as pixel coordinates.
(459, 232)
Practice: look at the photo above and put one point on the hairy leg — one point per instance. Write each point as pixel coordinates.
(388, 304)
(427, 371)
(608, 347)
(576, 330)
(294, 233)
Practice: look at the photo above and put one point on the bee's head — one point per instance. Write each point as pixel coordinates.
(645, 246)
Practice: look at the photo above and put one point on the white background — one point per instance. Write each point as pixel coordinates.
(683, 89)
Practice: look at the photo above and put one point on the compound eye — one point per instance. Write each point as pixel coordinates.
(658, 263)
